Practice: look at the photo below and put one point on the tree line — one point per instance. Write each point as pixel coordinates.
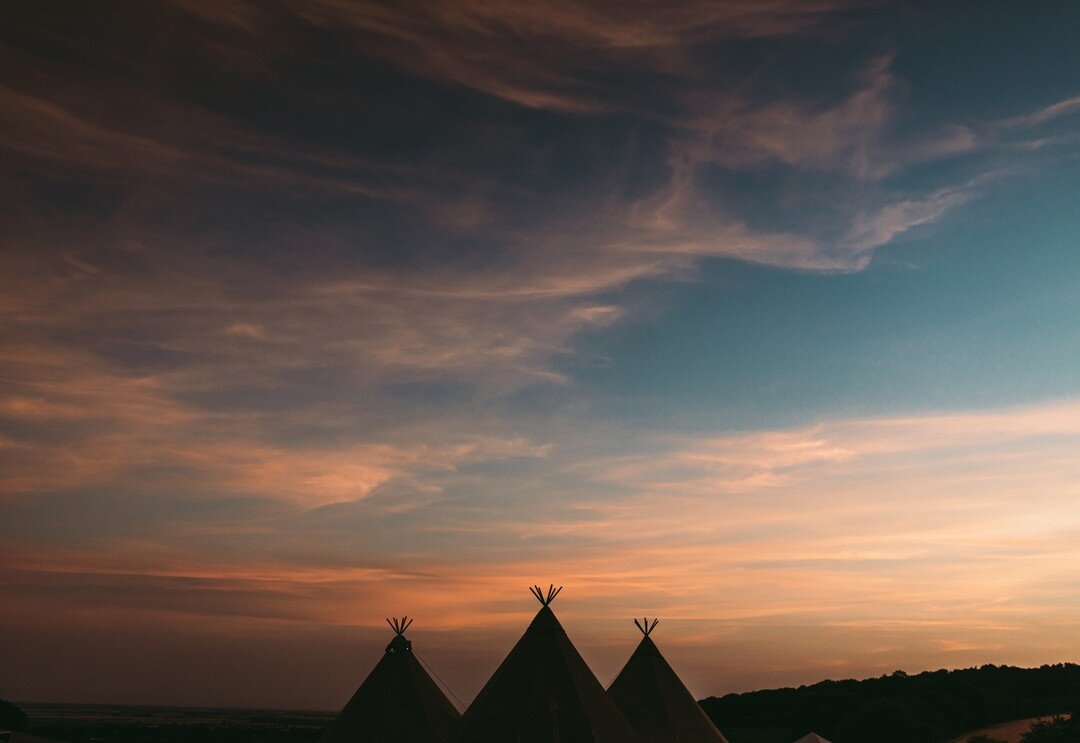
(932, 707)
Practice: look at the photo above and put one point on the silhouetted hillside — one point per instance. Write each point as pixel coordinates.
(931, 706)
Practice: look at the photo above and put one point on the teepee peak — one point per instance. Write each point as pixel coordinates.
(398, 701)
(544, 691)
(400, 642)
(545, 597)
(645, 627)
(399, 625)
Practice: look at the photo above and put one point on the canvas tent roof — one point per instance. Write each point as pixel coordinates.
(543, 692)
(397, 703)
(655, 700)
(811, 738)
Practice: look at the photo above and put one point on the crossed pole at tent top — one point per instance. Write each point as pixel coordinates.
(645, 627)
(399, 625)
(545, 597)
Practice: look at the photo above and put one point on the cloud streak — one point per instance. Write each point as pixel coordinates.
(946, 533)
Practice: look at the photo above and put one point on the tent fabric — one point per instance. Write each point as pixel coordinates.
(397, 703)
(657, 703)
(544, 692)
(811, 738)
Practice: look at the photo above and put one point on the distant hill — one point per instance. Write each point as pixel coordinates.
(930, 707)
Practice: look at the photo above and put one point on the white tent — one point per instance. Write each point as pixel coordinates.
(811, 738)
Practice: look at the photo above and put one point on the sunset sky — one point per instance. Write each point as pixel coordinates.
(761, 317)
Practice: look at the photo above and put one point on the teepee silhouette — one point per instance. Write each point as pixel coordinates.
(543, 692)
(654, 699)
(397, 703)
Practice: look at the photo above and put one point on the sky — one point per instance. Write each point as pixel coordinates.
(762, 318)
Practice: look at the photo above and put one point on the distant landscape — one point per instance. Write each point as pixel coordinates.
(930, 707)
(76, 723)
(934, 706)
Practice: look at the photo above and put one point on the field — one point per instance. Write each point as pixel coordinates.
(73, 723)
(131, 724)
(1007, 731)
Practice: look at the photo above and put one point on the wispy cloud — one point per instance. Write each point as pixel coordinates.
(938, 536)
(559, 55)
(52, 137)
(1066, 107)
(870, 231)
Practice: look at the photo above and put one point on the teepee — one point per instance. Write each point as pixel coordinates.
(655, 701)
(397, 703)
(811, 738)
(544, 693)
